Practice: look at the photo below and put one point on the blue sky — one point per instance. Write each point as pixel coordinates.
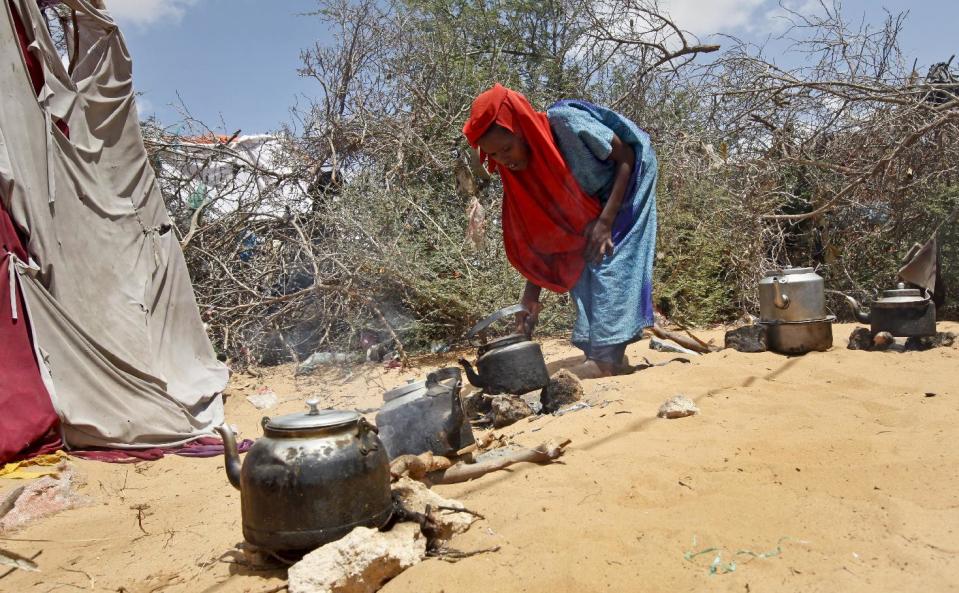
(235, 61)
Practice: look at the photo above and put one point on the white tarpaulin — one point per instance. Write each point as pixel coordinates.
(110, 299)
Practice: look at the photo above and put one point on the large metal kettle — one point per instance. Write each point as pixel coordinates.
(425, 416)
(310, 479)
(903, 312)
(792, 306)
(792, 294)
(512, 364)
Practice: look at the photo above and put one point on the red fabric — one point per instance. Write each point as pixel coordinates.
(34, 68)
(27, 414)
(545, 212)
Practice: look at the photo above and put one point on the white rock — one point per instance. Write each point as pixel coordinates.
(678, 406)
(360, 562)
(415, 496)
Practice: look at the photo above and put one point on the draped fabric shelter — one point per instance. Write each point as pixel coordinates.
(98, 309)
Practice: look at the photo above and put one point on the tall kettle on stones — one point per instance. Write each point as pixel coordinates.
(310, 479)
(792, 306)
(512, 364)
(903, 312)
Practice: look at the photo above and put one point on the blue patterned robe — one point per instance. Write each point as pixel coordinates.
(614, 299)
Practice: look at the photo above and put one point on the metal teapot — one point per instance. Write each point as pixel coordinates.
(903, 312)
(425, 416)
(310, 479)
(792, 294)
(512, 364)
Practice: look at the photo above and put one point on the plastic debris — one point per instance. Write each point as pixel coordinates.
(263, 399)
(669, 346)
(717, 566)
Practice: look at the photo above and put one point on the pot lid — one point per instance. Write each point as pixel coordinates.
(410, 387)
(901, 294)
(441, 377)
(789, 271)
(315, 418)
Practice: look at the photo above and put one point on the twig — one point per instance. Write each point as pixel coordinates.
(10, 500)
(545, 453)
(451, 555)
(461, 510)
(139, 508)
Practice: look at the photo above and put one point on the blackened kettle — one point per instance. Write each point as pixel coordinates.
(310, 479)
(425, 416)
(512, 364)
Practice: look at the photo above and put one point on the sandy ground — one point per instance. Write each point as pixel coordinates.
(827, 472)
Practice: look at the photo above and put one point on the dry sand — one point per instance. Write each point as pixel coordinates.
(836, 465)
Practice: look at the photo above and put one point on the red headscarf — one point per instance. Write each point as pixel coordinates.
(544, 210)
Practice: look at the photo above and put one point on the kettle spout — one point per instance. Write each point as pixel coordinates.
(780, 299)
(471, 375)
(231, 454)
(861, 315)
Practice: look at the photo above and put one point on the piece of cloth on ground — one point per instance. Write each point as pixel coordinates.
(613, 299)
(47, 463)
(201, 447)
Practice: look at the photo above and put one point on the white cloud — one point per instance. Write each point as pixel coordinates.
(780, 18)
(144, 106)
(706, 17)
(143, 13)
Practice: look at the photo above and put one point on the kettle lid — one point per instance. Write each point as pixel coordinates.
(315, 418)
(901, 294)
(410, 387)
(789, 271)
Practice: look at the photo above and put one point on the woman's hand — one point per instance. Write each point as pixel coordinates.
(599, 241)
(525, 322)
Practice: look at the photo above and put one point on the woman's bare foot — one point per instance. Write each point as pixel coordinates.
(595, 369)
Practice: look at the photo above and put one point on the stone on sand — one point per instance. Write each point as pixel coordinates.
(415, 497)
(507, 409)
(678, 406)
(44, 497)
(360, 562)
(860, 339)
(564, 389)
(749, 338)
(940, 340)
(882, 341)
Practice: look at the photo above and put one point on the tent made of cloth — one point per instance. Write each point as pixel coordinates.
(117, 339)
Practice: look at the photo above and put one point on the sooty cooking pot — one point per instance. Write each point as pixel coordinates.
(425, 416)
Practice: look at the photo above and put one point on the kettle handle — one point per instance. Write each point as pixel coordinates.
(504, 312)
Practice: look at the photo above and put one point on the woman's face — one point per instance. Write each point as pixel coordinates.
(505, 148)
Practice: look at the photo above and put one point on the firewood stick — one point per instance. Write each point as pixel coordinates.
(693, 344)
(545, 453)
